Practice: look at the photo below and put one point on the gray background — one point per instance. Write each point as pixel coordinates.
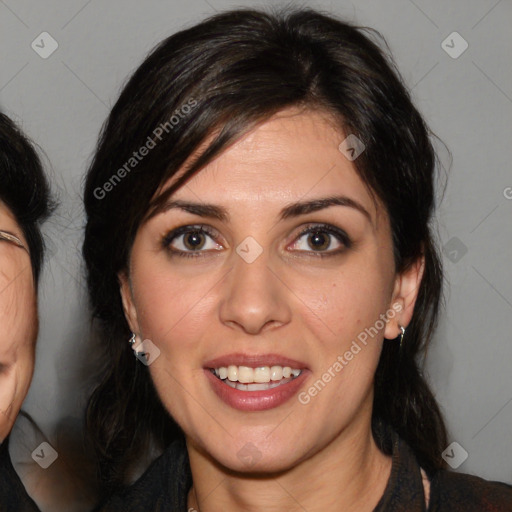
(62, 101)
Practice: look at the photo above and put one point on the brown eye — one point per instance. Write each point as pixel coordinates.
(191, 241)
(319, 241)
(194, 240)
(323, 239)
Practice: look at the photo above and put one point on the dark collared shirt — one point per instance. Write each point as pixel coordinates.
(13, 497)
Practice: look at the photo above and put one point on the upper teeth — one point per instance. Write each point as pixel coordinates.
(245, 374)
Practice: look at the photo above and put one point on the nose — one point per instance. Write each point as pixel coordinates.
(253, 299)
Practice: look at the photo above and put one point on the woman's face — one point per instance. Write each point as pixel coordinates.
(274, 256)
(18, 322)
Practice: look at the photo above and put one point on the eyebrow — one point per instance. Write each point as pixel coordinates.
(202, 209)
(289, 211)
(302, 208)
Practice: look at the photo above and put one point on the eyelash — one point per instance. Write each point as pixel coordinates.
(169, 238)
(339, 234)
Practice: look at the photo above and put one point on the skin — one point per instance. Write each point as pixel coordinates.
(57, 487)
(290, 301)
(18, 323)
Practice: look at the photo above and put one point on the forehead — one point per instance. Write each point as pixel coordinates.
(293, 155)
(7, 219)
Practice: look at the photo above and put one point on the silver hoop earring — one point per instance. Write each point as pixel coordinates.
(131, 341)
(402, 328)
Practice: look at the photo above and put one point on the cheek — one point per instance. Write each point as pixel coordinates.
(18, 313)
(164, 305)
(18, 330)
(14, 385)
(175, 313)
(341, 304)
(173, 309)
(342, 310)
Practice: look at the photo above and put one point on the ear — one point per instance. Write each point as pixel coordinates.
(405, 293)
(129, 309)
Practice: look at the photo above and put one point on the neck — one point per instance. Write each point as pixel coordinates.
(348, 474)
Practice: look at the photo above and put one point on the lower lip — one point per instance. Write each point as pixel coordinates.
(255, 400)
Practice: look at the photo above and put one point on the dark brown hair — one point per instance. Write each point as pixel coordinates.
(235, 70)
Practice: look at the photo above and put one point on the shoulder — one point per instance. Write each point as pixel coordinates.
(13, 496)
(163, 486)
(459, 491)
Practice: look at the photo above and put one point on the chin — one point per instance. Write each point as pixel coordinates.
(250, 460)
(256, 453)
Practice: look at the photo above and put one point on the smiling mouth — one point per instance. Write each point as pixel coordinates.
(261, 378)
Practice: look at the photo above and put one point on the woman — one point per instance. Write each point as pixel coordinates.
(24, 204)
(258, 233)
